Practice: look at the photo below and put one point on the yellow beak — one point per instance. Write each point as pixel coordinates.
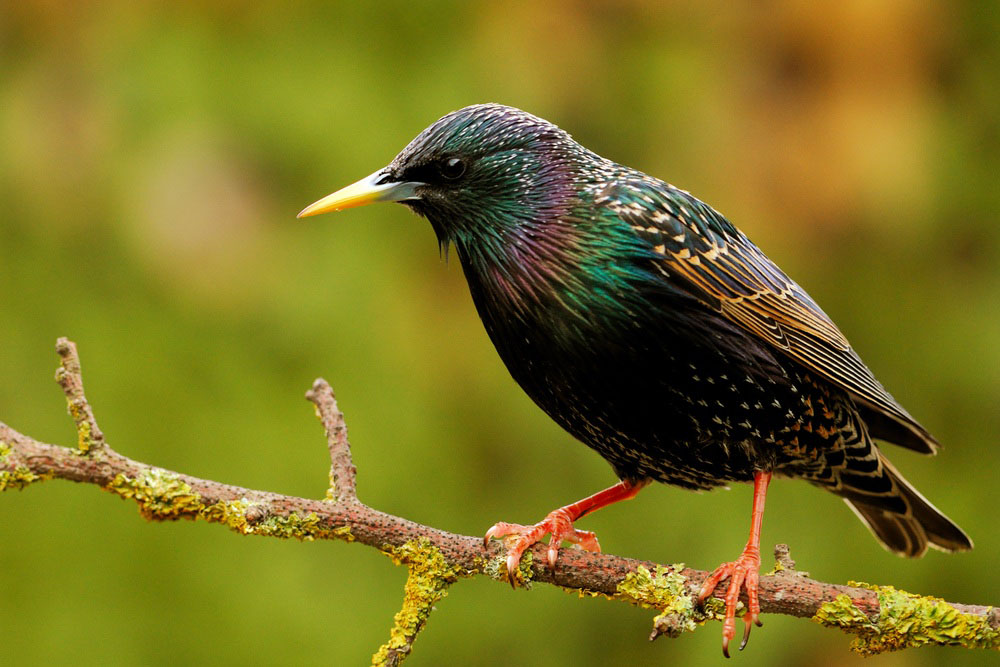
(366, 191)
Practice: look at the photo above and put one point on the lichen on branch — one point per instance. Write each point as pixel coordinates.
(428, 576)
(881, 617)
(907, 621)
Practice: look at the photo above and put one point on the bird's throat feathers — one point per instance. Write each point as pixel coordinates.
(514, 231)
(558, 268)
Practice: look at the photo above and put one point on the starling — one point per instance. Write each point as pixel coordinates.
(655, 332)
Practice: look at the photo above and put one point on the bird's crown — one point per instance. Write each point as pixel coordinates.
(481, 129)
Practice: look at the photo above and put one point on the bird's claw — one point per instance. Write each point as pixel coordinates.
(744, 572)
(557, 524)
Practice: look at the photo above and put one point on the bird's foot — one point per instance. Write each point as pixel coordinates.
(744, 572)
(558, 523)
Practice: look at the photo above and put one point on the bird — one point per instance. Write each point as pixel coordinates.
(651, 328)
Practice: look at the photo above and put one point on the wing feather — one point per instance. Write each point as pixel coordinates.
(730, 274)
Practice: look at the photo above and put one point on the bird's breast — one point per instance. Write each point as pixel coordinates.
(659, 393)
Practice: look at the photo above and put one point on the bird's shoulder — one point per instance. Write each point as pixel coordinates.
(694, 244)
(704, 248)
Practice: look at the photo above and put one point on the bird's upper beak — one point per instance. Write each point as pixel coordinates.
(377, 187)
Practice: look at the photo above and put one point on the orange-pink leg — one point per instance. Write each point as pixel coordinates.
(559, 523)
(744, 572)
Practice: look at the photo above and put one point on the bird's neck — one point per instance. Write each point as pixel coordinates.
(522, 267)
(563, 278)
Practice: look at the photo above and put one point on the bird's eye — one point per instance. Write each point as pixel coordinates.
(452, 168)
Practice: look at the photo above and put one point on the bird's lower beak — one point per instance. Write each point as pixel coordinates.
(366, 191)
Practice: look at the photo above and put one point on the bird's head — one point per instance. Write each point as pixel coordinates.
(478, 174)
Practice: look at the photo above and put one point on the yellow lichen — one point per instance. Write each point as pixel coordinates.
(905, 621)
(664, 590)
(232, 513)
(344, 533)
(84, 439)
(331, 491)
(427, 583)
(305, 528)
(496, 568)
(21, 476)
(161, 495)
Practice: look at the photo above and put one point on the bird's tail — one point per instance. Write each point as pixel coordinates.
(899, 517)
(904, 521)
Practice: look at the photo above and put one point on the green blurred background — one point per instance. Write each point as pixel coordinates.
(152, 160)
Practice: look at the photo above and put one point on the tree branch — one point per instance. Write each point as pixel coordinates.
(881, 617)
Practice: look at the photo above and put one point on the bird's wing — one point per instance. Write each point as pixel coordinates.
(727, 272)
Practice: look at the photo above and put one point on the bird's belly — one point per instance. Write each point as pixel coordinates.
(698, 421)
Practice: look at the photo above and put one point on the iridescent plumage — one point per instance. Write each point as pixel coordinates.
(653, 330)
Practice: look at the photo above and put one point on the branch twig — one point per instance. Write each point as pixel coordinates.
(342, 470)
(881, 617)
(70, 378)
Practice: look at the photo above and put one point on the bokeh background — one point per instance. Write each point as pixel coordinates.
(153, 156)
